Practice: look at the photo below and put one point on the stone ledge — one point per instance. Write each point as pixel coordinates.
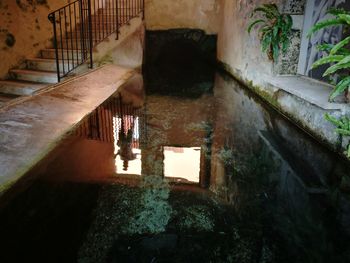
(313, 91)
(33, 126)
(302, 100)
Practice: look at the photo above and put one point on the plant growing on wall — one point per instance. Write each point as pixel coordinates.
(338, 55)
(343, 128)
(275, 29)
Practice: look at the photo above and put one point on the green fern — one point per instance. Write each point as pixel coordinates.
(324, 24)
(274, 31)
(340, 45)
(339, 54)
(343, 127)
(341, 87)
(327, 60)
(328, 47)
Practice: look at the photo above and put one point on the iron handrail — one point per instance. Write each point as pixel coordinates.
(81, 25)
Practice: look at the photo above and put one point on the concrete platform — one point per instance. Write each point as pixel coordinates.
(303, 100)
(33, 126)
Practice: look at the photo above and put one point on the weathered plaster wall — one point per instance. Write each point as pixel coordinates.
(127, 51)
(169, 14)
(24, 30)
(242, 51)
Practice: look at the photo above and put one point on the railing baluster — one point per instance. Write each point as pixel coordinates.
(113, 16)
(82, 34)
(124, 12)
(143, 9)
(71, 35)
(95, 23)
(103, 19)
(99, 22)
(66, 35)
(61, 45)
(52, 18)
(76, 33)
(108, 17)
(128, 4)
(90, 25)
(117, 22)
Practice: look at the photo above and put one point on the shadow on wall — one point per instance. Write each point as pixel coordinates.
(180, 61)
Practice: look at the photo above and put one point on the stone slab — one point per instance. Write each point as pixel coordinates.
(303, 100)
(33, 126)
(313, 91)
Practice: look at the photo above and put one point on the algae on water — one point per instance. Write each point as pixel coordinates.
(155, 210)
(197, 218)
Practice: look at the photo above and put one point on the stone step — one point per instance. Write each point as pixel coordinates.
(44, 64)
(51, 53)
(20, 88)
(34, 75)
(96, 26)
(96, 34)
(5, 98)
(69, 44)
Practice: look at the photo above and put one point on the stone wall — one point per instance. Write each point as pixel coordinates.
(195, 14)
(24, 30)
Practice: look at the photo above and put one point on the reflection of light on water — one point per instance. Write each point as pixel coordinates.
(184, 163)
(134, 166)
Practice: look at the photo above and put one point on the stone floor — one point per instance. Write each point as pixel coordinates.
(31, 127)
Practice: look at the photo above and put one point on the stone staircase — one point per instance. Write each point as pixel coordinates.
(39, 72)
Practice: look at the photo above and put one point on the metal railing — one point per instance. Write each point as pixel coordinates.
(79, 26)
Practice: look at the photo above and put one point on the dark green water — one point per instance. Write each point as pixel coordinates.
(242, 184)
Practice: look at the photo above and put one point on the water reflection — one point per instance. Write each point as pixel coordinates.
(273, 175)
(182, 163)
(126, 125)
(282, 196)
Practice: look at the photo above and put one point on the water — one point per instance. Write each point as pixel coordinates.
(242, 184)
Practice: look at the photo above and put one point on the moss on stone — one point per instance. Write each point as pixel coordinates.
(105, 60)
(155, 211)
(197, 218)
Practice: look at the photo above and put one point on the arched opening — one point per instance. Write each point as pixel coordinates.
(183, 65)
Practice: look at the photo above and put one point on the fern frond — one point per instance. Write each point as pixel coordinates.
(332, 119)
(328, 48)
(338, 46)
(343, 131)
(340, 88)
(345, 18)
(326, 23)
(269, 10)
(266, 41)
(275, 51)
(337, 11)
(251, 25)
(327, 59)
(342, 64)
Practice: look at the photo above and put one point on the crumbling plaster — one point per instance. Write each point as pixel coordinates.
(243, 53)
(27, 21)
(195, 14)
